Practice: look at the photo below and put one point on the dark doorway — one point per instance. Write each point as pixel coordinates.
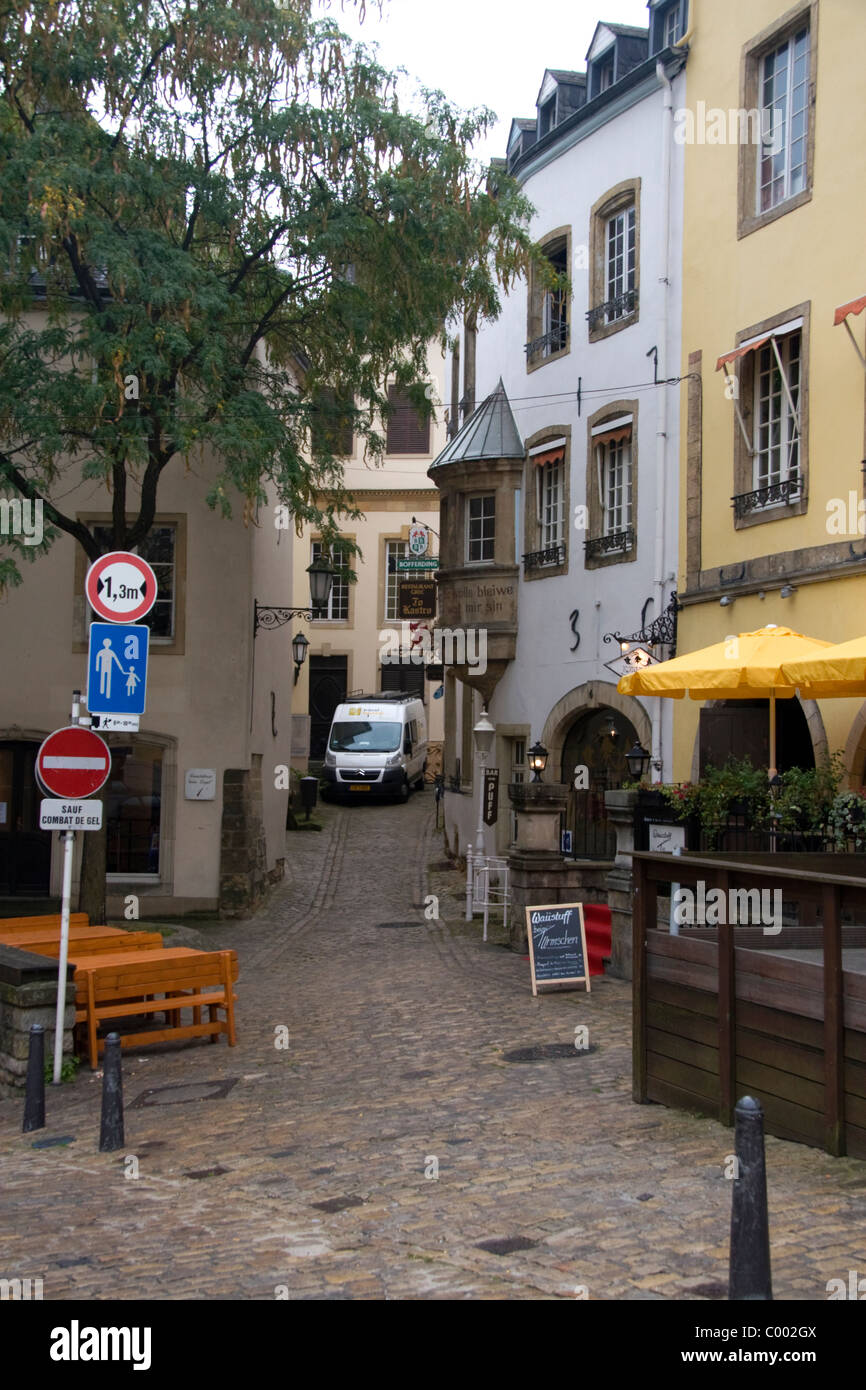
(598, 741)
(328, 677)
(741, 729)
(25, 850)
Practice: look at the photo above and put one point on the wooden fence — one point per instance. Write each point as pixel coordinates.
(715, 1020)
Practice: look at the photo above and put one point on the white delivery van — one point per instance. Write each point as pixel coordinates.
(377, 747)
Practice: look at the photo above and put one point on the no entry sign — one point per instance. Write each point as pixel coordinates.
(73, 763)
(120, 587)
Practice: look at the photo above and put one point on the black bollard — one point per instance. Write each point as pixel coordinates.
(111, 1129)
(750, 1278)
(34, 1095)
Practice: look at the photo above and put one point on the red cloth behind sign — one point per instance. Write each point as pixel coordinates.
(597, 925)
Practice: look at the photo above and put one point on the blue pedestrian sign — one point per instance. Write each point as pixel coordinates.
(117, 668)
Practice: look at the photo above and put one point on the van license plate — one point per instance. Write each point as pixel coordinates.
(359, 786)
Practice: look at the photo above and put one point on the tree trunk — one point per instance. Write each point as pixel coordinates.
(91, 893)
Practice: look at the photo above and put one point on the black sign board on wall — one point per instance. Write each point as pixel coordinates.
(491, 795)
(557, 945)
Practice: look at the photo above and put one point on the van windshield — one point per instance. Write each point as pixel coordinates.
(361, 737)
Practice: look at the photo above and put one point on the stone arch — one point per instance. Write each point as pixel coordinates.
(591, 695)
(855, 749)
(814, 723)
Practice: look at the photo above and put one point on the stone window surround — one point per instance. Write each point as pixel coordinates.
(748, 220)
(743, 461)
(531, 521)
(621, 196)
(611, 411)
(336, 623)
(81, 608)
(534, 303)
(160, 883)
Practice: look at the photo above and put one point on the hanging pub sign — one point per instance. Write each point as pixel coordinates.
(491, 795)
(417, 598)
(557, 945)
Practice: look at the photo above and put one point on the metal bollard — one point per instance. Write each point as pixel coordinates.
(34, 1095)
(111, 1128)
(750, 1278)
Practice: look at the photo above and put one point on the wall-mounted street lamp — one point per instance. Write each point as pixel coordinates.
(537, 759)
(322, 577)
(299, 653)
(638, 760)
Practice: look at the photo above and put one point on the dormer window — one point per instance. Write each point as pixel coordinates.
(605, 74)
(546, 117)
(673, 26)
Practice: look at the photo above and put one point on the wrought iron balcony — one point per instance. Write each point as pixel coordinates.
(613, 310)
(776, 495)
(539, 559)
(618, 542)
(549, 343)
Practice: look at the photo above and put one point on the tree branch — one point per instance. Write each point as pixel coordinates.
(76, 529)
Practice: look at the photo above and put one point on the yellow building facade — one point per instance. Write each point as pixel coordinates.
(773, 422)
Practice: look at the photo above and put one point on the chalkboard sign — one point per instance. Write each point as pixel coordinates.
(557, 945)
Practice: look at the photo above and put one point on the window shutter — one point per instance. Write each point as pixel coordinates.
(407, 433)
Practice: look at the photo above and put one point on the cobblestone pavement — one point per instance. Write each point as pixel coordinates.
(311, 1176)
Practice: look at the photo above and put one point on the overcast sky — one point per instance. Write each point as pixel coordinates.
(487, 52)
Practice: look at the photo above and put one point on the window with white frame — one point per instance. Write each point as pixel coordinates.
(480, 528)
(551, 503)
(614, 471)
(337, 608)
(672, 26)
(784, 107)
(776, 444)
(620, 263)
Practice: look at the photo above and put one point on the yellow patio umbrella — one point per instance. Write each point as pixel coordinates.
(838, 670)
(745, 666)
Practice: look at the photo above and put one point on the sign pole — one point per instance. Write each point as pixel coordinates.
(68, 847)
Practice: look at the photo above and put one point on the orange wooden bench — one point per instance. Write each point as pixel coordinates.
(125, 985)
(86, 941)
(76, 919)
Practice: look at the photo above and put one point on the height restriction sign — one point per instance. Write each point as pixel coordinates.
(120, 587)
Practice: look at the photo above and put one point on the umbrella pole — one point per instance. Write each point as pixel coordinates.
(772, 772)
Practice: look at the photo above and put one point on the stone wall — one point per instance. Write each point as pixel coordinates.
(244, 879)
(538, 879)
(28, 995)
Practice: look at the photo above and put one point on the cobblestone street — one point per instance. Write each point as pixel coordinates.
(308, 1172)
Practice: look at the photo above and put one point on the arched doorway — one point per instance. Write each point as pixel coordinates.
(741, 729)
(598, 740)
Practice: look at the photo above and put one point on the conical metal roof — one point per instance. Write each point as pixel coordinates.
(488, 434)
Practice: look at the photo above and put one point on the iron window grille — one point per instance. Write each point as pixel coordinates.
(539, 559)
(618, 542)
(776, 495)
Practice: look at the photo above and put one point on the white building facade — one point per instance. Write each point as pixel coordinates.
(585, 375)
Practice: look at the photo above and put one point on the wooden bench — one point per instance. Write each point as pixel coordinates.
(86, 941)
(76, 919)
(119, 986)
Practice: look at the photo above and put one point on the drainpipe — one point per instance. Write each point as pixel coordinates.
(662, 400)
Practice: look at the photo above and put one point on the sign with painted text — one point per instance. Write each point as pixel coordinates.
(120, 587)
(70, 815)
(491, 795)
(557, 945)
(410, 564)
(417, 598)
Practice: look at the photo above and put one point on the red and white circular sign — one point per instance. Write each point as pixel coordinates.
(120, 587)
(73, 763)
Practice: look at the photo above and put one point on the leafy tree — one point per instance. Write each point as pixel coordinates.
(217, 226)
